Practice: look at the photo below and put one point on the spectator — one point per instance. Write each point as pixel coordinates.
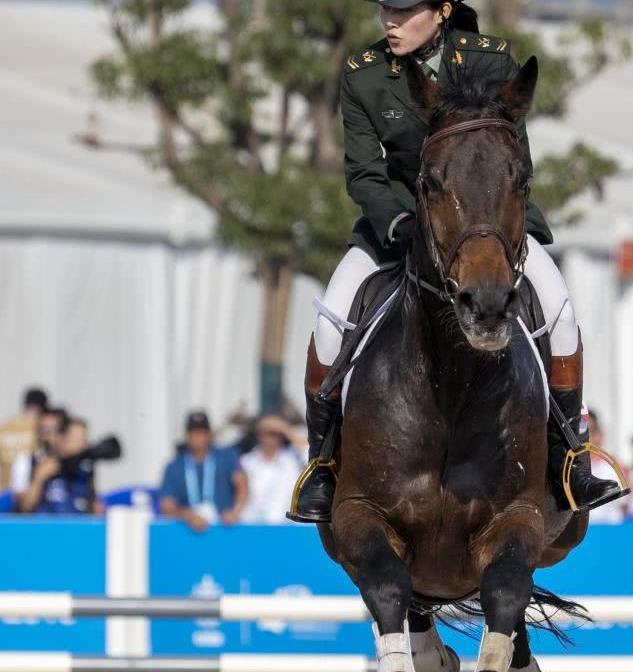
(19, 435)
(615, 512)
(272, 468)
(54, 479)
(204, 484)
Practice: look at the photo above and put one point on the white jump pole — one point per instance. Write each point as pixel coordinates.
(63, 662)
(246, 607)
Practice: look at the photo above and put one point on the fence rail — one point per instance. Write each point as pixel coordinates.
(246, 607)
(64, 662)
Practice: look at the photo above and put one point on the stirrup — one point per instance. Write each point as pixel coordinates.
(572, 456)
(313, 465)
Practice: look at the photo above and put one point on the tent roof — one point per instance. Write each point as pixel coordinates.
(50, 181)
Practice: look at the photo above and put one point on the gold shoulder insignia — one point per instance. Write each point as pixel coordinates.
(374, 55)
(351, 63)
(475, 42)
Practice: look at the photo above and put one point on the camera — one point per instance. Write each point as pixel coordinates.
(106, 449)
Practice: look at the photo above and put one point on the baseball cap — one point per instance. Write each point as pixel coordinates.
(197, 420)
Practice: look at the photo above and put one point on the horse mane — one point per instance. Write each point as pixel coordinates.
(472, 93)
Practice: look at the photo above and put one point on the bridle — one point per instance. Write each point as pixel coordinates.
(516, 256)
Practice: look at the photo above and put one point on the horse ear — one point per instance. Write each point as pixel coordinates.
(425, 93)
(518, 93)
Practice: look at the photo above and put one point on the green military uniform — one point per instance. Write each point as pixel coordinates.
(378, 112)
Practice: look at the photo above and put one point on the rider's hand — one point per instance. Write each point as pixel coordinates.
(404, 230)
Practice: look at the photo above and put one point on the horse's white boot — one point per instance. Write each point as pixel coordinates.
(393, 651)
(430, 654)
(532, 667)
(495, 654)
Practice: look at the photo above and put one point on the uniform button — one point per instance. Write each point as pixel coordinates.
(387, 50)
(463, 40)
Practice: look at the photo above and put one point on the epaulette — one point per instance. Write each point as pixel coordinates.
(476, 42)
(366, 58)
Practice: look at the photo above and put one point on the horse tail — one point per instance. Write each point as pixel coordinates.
(546, 605)
(541, 613)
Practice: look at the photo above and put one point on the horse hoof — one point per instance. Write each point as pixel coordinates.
(532, 667)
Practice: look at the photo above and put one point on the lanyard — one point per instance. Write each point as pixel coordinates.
(194, 495)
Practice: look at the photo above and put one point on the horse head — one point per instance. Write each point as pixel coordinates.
(473, 189)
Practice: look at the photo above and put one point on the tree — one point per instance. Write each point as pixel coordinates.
(274, 182)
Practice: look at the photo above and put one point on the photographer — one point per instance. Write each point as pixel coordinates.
(61, 474)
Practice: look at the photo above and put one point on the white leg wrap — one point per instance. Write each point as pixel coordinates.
(495, 654)
(393, 651)
(532, 667)
(430, 654)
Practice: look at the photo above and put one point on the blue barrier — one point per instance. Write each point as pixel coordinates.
(53, 553)
(69, 554)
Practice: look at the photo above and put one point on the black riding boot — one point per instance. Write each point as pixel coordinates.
(314, 490)
(566, 389)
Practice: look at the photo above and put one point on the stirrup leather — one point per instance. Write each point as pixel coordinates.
(572, 455)
(313, 465)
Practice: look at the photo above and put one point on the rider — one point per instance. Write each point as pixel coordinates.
(383, 137)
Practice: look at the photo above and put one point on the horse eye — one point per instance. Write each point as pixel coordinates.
(432, 184)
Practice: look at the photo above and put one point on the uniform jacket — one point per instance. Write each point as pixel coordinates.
(379, 114)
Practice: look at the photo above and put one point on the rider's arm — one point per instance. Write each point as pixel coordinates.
(366, 172)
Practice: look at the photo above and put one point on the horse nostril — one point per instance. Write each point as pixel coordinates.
(466, 299)
(512, 303)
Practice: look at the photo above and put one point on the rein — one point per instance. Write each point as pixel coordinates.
(515, 256)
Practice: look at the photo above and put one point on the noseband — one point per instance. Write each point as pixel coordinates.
(516, 256)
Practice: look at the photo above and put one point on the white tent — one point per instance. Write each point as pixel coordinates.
(114, 297)
(112, 293)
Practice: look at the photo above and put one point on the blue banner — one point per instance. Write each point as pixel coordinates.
(68, 554)
(42, 553)
(291, 560)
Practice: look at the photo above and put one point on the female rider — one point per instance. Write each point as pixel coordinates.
(383, 138)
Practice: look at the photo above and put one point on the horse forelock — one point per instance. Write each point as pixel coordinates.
(470, 95)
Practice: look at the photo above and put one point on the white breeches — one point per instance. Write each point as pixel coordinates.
(357, 265)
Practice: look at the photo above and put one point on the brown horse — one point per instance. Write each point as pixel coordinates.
(442, 492)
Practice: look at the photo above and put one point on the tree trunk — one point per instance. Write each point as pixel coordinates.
(326, 152)
(277, 281)
(505, 13)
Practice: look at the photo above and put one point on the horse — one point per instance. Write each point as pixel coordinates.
(442, 492)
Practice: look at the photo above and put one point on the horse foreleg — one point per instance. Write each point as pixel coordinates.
(523, 661)
(506, 590)
(364, 548)
(428, 650)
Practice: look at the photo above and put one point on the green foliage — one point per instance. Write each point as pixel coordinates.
(181, 67)
(297, 214)
(304, 43)
(559, 178)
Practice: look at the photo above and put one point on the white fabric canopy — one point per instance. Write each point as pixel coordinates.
(113, 295)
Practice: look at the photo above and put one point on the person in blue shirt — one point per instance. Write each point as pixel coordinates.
(203, 485)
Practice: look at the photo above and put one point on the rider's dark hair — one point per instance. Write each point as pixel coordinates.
(463, 16)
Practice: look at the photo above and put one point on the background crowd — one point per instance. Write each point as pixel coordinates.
(48, 462)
